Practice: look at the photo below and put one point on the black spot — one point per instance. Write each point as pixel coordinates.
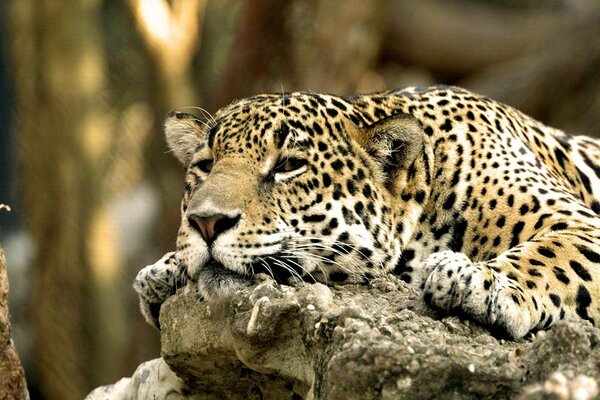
(399, 227)
(338, 104)
(326, 179)
(343, 237)
(446, 126)
(560, 275)
(540, 221)
(351, 186)
(517, 229)
(371, 209)
(359, 207)
(281, 134)
(458, 233)
(348, 216)
(560, 157)
(580, 270)
(559, 226)
(428, 296)
(337, 192)
(332, 112)
(555, 299)
(367, 191)
(583, 302)
(337, 165)
(496, 241)
(338, 276)
(441, 231)
(211, 135)
(510, 200)
(333, 223)
(420, 196)
(588, 161)
(313, 218)
(501, 221)
(365, 252)
(588, 253)
(546, 252)
(515, 299)
(317, 128)
(456, 176)
(548, 322)
(449, 203)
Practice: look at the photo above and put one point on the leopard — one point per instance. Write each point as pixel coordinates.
(489, 213)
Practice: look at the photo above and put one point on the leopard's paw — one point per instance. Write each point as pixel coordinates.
(446, 282)
(155, 283)
(453, 283)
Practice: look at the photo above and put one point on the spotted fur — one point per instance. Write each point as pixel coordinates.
(492, 214)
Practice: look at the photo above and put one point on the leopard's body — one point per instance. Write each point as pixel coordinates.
(491, 213)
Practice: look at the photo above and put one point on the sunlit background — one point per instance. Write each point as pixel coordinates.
(84, 85)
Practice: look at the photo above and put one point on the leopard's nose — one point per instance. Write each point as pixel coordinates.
(212, 226)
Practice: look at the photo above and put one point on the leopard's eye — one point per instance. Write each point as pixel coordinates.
(289, 165)
(205, 165)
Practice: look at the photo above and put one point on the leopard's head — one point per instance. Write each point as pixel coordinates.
(297, 186)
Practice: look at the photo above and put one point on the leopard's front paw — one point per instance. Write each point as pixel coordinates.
(155, 283)
(449, 280)
(454, 283)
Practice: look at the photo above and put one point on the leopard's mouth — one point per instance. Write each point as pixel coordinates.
(217, 282)
(282, 271)
(216, 269)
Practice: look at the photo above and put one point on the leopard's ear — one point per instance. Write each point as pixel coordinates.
(184, 132)
(393, 143)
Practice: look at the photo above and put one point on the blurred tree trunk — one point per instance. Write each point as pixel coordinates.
(170, 32)
(297, 45)
(453, 38)
(557, 83)
(63, 125)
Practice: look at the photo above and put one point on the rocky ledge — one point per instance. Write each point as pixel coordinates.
(12, 377)
(352, 342)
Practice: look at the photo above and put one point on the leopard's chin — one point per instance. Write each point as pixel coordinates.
(217, 283)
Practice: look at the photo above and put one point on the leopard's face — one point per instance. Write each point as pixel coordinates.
(282, 187)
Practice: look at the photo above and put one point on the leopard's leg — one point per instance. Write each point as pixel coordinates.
(553, 276)
(156, 282)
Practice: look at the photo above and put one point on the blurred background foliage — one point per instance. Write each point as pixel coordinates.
(84, 85)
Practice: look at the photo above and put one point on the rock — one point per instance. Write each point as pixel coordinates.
(564, 387)
(151, 380)
(363, 342)
(12, 377)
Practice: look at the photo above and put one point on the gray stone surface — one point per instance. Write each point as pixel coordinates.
(151, 380)
(358, 342)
